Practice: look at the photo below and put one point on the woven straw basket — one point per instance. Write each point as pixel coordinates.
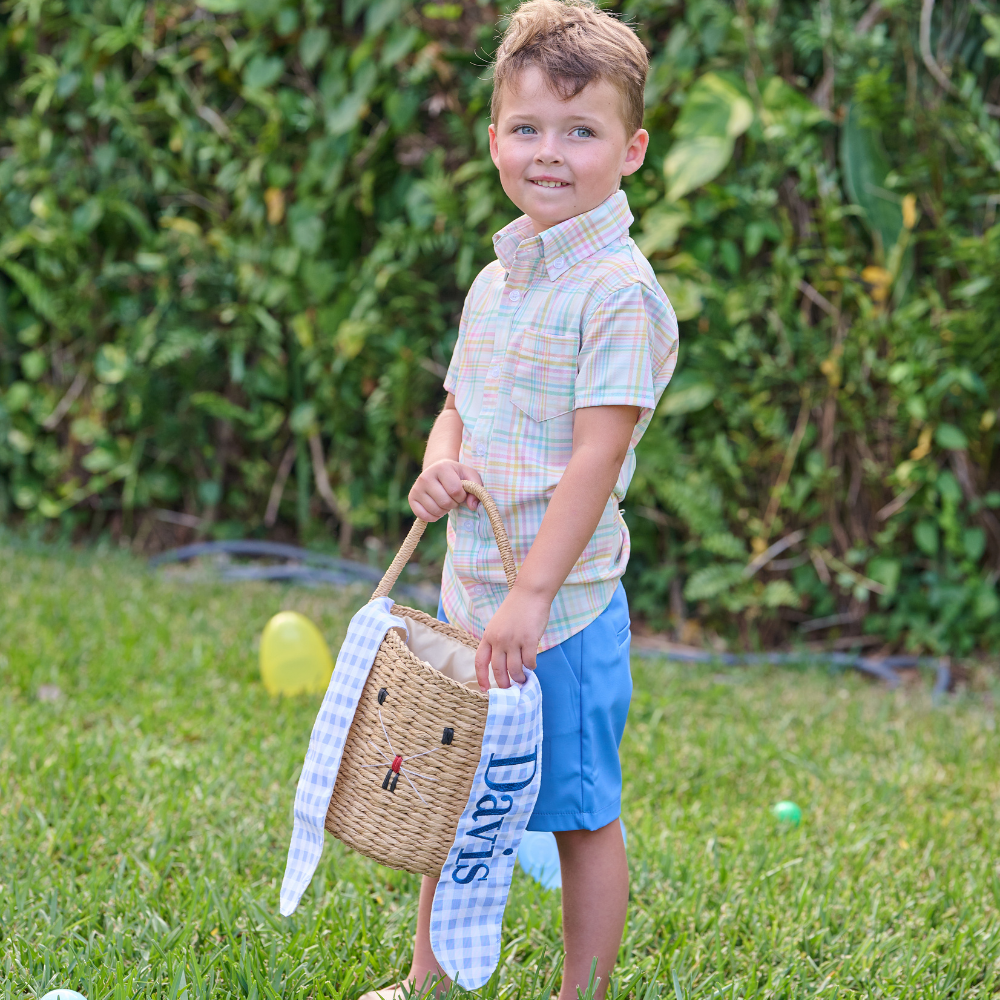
(415, 742)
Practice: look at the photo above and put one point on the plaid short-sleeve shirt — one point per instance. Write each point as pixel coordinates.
(571, 317)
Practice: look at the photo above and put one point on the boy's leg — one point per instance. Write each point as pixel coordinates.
(594, 900)
(424, 962)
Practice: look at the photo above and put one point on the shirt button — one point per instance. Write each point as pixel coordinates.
(559, 262)
(479, 589)
(515, 296)
(480, 449)
(494, 371)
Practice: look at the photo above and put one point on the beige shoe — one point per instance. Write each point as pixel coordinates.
(396, 992)
(399, 992)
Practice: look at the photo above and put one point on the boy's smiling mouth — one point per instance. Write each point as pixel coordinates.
(548, 182)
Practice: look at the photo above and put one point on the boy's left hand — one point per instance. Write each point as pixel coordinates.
(511, 639)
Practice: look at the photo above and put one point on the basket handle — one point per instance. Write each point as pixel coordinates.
(410, 543)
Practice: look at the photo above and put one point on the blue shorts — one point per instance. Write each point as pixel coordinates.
(586, 689)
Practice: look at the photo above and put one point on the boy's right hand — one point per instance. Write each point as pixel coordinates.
(439, 489)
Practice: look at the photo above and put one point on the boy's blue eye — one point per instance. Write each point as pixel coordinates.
(524, 130)
(581, 132)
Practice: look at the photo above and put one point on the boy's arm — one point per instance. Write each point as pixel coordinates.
(438, 489)
(601, 436)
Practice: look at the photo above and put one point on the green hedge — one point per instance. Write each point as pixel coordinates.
(235, 237)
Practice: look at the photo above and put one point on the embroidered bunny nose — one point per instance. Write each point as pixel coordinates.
(397, 763)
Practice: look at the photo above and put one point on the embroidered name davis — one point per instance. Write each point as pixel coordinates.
(472, 858)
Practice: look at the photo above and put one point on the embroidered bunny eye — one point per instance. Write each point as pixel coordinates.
(382, 695)
(448, 735)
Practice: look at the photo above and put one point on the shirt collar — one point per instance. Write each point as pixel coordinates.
(571, 241)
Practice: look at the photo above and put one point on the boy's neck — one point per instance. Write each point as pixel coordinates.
(538, 226)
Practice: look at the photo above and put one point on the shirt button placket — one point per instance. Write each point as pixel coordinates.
(491, 402)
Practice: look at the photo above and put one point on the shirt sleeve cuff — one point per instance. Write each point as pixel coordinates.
(615, 397)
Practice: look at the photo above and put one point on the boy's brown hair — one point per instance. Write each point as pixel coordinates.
(573, 43)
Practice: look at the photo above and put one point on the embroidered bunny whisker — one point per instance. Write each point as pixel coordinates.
(395, 764)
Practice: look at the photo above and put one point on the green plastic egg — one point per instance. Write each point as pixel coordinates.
(787, 813)
(294, 656)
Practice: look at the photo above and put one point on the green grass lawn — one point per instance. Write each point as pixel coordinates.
(145, 814)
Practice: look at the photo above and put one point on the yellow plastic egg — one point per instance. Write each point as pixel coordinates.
(294, 656)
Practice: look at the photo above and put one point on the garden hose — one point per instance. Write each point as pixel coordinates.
(317, 568)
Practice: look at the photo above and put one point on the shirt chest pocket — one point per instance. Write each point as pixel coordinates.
(544, 374)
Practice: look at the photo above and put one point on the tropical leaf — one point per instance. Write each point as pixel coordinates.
(695, 161)
(661, 227)
(688, 398)
(715, 113)
(866, 167)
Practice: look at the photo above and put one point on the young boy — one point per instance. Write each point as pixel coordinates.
(565, 346)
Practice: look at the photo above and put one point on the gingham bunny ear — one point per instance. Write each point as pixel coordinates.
(472, 890)
(326, 745)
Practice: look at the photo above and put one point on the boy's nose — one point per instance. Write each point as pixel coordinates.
(548, 152)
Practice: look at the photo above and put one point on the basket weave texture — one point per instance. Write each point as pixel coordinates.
(416, 739)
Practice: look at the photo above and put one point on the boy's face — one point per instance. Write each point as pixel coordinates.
(559, 158)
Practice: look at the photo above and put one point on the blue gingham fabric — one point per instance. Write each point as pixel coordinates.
(472, 891)
(326, 745)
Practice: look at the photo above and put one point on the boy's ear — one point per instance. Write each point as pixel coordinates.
(494, 148)
(635, 152)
